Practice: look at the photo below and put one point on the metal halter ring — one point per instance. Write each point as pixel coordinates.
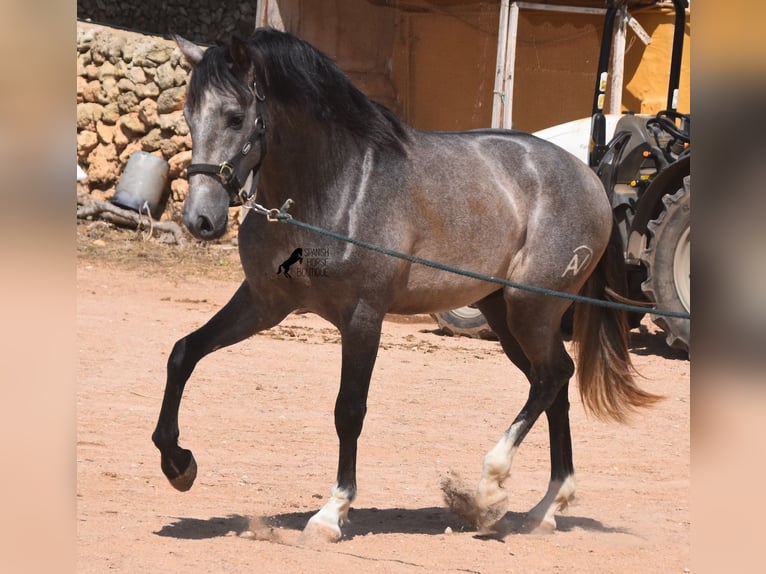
(244, 196)
(258, 95)
(272, 215)
(226, 171)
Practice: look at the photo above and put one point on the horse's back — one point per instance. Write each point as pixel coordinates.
(508, 162)
(507, 180)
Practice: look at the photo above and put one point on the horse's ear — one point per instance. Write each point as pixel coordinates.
(240, 56)
(190, 50)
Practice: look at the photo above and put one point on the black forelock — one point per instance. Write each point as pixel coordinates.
(215, 71)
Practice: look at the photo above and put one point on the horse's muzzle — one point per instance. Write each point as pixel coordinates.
(206, 212)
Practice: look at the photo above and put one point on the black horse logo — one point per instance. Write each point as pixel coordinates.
(295, 257)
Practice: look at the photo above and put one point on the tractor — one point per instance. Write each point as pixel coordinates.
(646, 171)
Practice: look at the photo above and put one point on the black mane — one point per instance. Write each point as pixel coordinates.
(294, 73)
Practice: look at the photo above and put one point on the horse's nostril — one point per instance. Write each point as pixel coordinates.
(204, 225)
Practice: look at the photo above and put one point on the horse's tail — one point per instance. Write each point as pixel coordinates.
(605, 371)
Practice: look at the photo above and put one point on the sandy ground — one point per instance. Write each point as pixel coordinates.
(258, 417)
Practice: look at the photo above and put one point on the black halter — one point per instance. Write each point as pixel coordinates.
(226, 171)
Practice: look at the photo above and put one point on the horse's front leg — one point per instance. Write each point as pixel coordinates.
(360, 339)
(240, 318)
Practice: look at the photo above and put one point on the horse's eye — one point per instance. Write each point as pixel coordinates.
(234, 121)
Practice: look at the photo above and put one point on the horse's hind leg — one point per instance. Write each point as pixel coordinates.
(495, 311)
(360, 337)
(561, 488)
(530, 337)
(240, 318)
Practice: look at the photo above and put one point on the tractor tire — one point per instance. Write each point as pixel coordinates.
(667, 257)
(464, 322)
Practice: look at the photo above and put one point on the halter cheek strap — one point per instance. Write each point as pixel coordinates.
(226, 171)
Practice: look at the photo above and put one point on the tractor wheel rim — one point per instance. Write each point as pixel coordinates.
(467, 312)
(682, 269)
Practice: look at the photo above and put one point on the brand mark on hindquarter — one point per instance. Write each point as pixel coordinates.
(581, 256)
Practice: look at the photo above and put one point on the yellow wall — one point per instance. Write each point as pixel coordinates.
(647, 68)
(555, 75)
(444, 68)
(436, 68)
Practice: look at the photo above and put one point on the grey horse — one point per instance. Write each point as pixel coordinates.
(501, 203)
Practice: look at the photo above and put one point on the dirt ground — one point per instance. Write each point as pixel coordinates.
(258, 417)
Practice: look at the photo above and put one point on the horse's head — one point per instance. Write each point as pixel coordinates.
(223, 109)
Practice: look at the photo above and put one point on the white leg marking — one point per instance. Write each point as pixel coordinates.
(541, 518)
(491, 497)
(326, 523)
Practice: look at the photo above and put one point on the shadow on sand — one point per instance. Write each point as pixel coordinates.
(642, 342)
(429, 521)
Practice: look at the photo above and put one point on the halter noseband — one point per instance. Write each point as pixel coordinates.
(226, 171)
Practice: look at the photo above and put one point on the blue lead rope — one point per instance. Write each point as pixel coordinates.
(281, 215)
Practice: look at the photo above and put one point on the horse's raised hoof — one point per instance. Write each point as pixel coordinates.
(462, 501)
(180, 468)
(184, 481)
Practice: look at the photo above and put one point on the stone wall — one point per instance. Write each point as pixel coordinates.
(203, 21)
(130, 93)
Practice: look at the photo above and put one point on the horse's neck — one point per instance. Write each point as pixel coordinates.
(306, 157)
